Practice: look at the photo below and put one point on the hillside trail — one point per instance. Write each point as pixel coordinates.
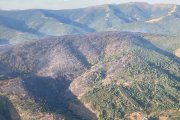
(177, 52)
(171, 12)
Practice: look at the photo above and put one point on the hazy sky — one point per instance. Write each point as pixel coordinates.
(67, 4)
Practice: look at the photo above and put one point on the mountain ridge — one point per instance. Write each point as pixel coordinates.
(133, 17)
(106, 62)
(76, 70)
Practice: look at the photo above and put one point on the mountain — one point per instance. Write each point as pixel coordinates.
(23, 25)
(76, 64)
(105, 76)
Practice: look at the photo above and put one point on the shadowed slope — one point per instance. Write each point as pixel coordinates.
(7, 110)
(135, 17)
(108, 75)
(62, 19)
(53, 95)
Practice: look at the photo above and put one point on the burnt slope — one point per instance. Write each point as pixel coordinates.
(107, 75)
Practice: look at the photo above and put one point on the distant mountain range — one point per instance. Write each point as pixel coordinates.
(22, 25)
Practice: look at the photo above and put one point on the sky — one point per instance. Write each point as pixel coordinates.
(67, 4)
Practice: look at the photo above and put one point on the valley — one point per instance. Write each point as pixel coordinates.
(104, 62)
(106, 75)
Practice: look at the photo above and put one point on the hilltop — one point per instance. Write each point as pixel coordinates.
(106, 75)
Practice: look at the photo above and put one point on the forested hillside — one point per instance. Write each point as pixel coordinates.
(22, 25)
(105, 76)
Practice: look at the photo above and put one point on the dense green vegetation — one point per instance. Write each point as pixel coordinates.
(152, 85)
(113, 74)
(168, 43)
(114, 102)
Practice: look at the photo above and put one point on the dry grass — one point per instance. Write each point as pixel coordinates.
(173, 10)
(177, 52)
(137, 116)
